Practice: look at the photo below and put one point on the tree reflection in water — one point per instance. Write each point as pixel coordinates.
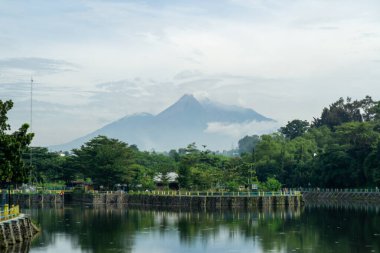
(312, 229)
(18, 248)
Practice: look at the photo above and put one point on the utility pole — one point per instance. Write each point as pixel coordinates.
(31, 128)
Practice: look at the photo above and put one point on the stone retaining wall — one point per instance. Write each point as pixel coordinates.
(187, 201)
(341, 196)
(32, 199)
(16, 231)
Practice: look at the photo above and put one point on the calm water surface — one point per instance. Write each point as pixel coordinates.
(310, 229)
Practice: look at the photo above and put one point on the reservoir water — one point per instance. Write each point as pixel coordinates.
(80, 229)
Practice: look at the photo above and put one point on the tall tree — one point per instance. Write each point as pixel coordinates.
(12, 167)
(295, 128)
(343, 111)
(372, 167)
(47, 166)
(248, 144)
(189, 158)
(269, 156)
(106, 161)
(338, 113)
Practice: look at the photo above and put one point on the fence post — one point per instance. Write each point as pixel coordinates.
(6, 211)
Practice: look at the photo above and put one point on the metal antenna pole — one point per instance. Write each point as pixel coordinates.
(31, 128)
(31, 103)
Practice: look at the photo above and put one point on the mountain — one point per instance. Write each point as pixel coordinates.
(182, 123)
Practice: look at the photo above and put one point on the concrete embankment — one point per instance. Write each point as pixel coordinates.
(194, 201)
(16, 232)
(187, 201)
(36, 199)
(312, 197)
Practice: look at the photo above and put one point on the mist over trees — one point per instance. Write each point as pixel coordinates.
(247, 144)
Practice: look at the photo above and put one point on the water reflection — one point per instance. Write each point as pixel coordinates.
(19, 248)
(100, 229)
(358, 205)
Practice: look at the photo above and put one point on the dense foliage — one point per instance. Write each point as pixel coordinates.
(12, 145)
(340, 149)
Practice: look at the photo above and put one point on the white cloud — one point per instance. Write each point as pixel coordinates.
(286, 59)
(35, 65)
(238, 130)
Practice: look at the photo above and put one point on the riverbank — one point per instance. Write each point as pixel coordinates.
(207, 200)
(16, 232)
(192, 200)
(163, 198)
(23, 199)
(342, 196)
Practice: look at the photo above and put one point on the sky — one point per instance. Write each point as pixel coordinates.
(96, 61)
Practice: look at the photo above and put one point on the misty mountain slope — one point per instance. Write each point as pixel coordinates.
(230, 113)
(182, 123)
(186, 111)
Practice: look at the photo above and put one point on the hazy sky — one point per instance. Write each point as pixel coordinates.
(96, 61)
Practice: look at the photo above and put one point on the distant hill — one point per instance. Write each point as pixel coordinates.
(182, 123)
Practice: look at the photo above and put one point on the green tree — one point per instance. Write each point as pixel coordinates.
(248, 144)
(106, 161)
(298, 162)
(269, 156)
(372, 167)
(189, 157)
(359, 140)
(295, 128)
(333, 169)
(47, 166)
(12, 145)
(344, 111)
(271, 184)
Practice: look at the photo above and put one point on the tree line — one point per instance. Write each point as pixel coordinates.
(339, 149)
